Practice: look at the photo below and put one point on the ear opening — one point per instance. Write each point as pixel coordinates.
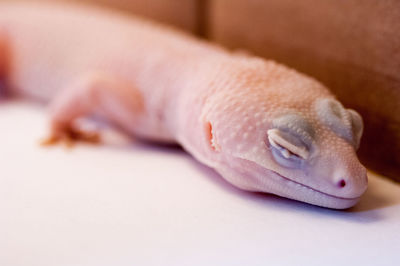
(210, 136)
(5, 54)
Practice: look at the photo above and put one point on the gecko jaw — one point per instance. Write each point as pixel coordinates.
(260, 179)
(313, 189)
(311, 195)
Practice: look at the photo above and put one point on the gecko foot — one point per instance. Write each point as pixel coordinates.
(71, 135)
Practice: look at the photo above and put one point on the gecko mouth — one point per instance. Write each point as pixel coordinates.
(297, 191)
(265, 180)
(313, 189)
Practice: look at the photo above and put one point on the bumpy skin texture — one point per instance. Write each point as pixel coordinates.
(261, 125)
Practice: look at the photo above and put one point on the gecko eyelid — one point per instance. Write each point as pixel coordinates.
(296, 126)
(287, 144)
(291, 140)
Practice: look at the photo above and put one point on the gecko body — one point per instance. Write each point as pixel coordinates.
(261, 125)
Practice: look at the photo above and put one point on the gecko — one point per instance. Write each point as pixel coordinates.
(262, 126)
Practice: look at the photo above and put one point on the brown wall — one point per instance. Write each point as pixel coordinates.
(353, 46)
(180, 13)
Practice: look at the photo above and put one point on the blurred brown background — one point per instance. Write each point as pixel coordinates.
(179, 13)
(353, 46)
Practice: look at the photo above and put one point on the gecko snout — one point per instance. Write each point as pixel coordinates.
(349, 185)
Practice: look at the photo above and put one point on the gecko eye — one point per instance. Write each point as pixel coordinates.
(357, 126)
(346, 123)
(291, 139)
(287, 149)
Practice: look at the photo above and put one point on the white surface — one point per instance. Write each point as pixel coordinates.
(134, 204)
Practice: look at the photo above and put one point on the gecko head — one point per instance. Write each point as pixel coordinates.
(307, 154)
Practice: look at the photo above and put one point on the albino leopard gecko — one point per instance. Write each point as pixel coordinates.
(261, 125)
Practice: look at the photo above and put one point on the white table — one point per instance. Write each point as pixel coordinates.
(127, 203)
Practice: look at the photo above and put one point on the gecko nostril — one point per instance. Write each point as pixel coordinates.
(342, 183)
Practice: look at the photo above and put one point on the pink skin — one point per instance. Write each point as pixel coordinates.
(240, 115)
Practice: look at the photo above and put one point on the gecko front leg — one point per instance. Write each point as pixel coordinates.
(113, 98)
